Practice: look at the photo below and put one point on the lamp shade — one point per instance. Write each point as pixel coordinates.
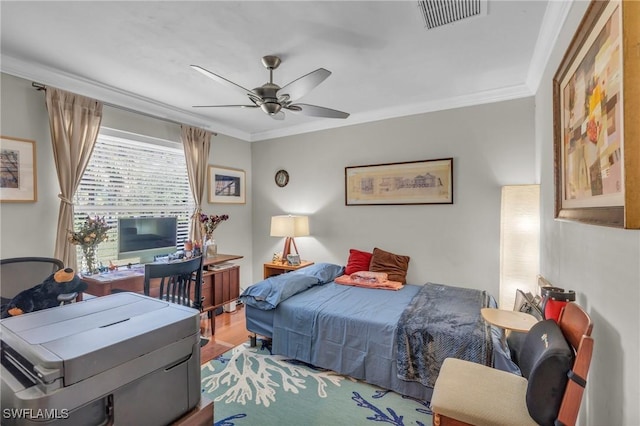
(519, 241)
(289, 226)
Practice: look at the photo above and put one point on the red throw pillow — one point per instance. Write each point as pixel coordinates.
(394, 265)
(358, 261)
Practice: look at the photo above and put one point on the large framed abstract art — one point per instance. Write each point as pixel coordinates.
(596, 97)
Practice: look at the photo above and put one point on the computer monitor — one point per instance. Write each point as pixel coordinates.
(147, 237)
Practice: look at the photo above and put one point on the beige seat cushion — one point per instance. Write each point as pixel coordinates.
(480, 395)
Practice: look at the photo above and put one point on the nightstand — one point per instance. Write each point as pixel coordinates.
(277, 268)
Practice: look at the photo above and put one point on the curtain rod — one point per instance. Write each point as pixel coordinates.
(40, 86)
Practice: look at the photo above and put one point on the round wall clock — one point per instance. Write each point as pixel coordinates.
(282, 178)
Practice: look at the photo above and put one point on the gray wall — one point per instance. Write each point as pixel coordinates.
(28, 229)
(602, 265)
(492, 145)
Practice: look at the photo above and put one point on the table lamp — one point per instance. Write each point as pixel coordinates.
(289, 226)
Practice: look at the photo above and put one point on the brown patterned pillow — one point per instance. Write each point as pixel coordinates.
(394, 265)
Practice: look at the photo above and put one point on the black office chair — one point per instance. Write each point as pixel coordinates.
(21, 273)
(180, 282)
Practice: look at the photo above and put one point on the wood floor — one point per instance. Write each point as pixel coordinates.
(231, 331)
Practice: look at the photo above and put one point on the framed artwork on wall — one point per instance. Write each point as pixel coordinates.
(18, 177)
(596, 104)
(226, 185)
(411, 182)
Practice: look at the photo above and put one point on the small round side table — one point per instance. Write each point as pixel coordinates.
(509, 320)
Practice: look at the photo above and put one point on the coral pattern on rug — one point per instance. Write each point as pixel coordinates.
(250, 377)
(250, 386)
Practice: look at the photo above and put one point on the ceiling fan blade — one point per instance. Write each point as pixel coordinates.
(317, 111)
(224, 106)
(223, 81)
(303, 85)
(277, 116)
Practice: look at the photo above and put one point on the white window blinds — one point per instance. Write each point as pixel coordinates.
(134, 178)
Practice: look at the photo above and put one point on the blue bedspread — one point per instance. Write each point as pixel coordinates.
(350, 330)
(442, 322)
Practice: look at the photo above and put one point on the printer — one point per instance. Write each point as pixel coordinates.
(121, 359)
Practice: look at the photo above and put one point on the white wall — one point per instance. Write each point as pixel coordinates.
(492, 145)
(28, 229)
(602, 265)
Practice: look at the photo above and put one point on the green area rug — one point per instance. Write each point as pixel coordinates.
(249, 386)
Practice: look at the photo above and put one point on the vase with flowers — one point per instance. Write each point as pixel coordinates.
(209, 223)
(92, 232)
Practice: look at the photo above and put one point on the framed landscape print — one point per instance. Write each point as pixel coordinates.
(412, 182)
(596, 97)
(18, 177)
(226, 185)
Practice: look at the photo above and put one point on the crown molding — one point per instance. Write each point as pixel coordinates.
(552, 22)
(554, 17)
(478, 98)
(111, 95)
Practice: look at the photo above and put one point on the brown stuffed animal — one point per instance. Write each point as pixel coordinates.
(44, 295)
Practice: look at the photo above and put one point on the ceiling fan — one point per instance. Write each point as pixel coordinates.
(272, 99)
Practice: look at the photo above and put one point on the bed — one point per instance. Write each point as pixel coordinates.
(361, 332)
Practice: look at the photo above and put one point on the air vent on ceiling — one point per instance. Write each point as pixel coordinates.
(442, 12)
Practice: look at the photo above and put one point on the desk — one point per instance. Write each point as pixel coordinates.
(220, 283)
(509, 320)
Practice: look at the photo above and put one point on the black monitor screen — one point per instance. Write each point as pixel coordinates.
(146, 233)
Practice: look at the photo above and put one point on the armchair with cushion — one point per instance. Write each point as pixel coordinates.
(554, 360)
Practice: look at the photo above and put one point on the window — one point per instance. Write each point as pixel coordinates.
(133, 176)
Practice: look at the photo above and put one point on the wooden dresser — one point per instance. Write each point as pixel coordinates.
(220, 282)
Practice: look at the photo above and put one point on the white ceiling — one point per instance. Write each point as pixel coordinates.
(385, 63)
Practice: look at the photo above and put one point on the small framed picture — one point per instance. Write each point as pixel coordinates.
(18, 174)
(293, 259)
(226, 185)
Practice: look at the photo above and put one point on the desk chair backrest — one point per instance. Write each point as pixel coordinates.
(180, 282)
(21, 273)
(576, 326)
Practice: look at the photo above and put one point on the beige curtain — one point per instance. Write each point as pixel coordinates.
(196, 143)
(74, 121)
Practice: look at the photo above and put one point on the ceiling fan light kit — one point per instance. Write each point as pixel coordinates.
(272, 98)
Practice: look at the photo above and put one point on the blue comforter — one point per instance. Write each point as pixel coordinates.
(350, 330)
(442, 322)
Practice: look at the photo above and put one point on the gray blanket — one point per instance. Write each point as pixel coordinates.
(442, 322)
